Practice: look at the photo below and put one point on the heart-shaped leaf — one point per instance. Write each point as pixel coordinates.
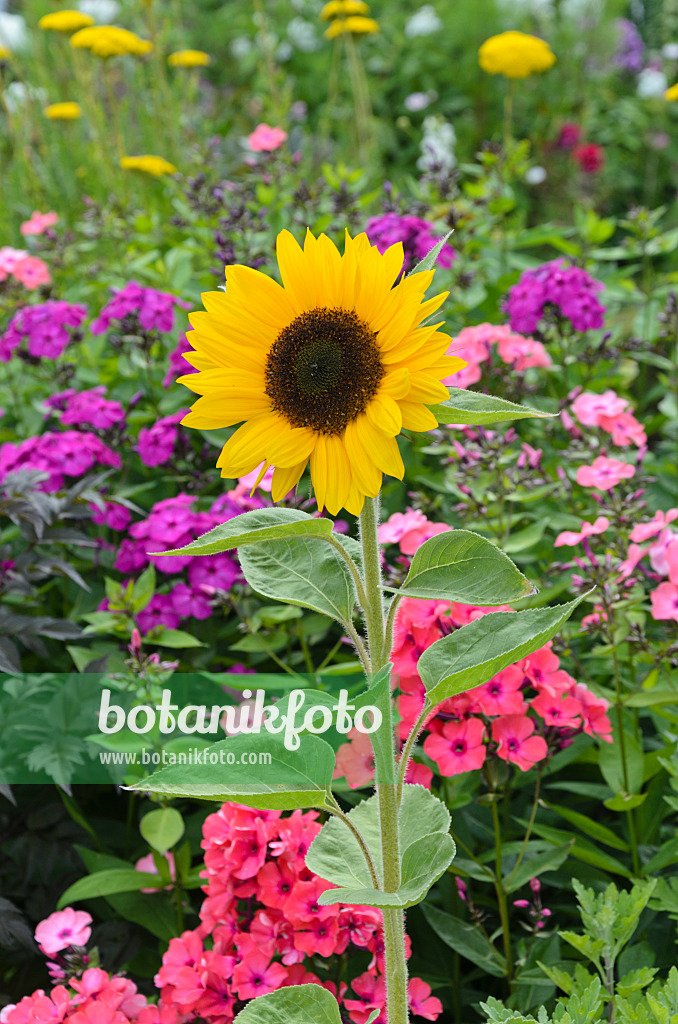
(253, 528)
(463, 566)
(475, 653)
(475, 409)
(277, 777)
(297, 1004)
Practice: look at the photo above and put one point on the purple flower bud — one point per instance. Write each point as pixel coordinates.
(521, 903)
(535, 885)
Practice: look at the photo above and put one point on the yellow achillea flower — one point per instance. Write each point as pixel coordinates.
(63, 111)
(110, 41)
(5, 54)
(515, 55)
(65, 21)
(189, 59)
(672, 92)
(343, 9)
(328, 368)
(157, 166)
(357, 25)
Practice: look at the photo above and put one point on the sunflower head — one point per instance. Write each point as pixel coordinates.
(327, 368)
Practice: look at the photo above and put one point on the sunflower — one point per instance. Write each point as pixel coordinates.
(328, 368)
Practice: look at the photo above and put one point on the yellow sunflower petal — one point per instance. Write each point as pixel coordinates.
(290, 446)
(398, 326)
(384, 451)
(427, 389)
(417, 417)
(339, 478)
(221, 379)
(299, 285)
(213, 413)
(408, 287)
(285, 480)
(384, 414)
(365, 474)
(326, 267)
(355, 500)
(396, 384)
(257, 291)
(245, 450)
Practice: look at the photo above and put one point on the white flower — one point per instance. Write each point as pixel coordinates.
(284, 51)
(13, 31)
(18, 94)
(670, 51)
(423, 22)
(417, 101)
(241, 46)
(103, 11)
(303, 35)
(535, 175)
(437, 144)
(651, 83)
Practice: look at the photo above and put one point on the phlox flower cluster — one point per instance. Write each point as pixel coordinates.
(476, 346)
(156, 443)
(409, 530)
(418, 237)
(153, 309)
(630, 53)
(60, 455)
(84, 995)
(261, 923)
(30, 271)
(528, 710)
(43, 328)
(569, 289)
(87, 408)
(177, 363)
(610, 413)
(38, 223)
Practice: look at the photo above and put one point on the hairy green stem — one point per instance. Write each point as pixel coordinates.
(387, 795)
(337, 811)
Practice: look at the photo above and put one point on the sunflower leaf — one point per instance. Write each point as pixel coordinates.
(263, 524)
(304, 571)
(475, 409)
(423, 823)
(297, 1004)
(475, 653)
(281, 779)
(431, 258)
(463, 566)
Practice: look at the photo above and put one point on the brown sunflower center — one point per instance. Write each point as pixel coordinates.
(323, 370)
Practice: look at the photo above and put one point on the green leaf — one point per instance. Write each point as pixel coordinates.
(592, 829)
(463, 566)
(649, 698)
(174, 638)
(282, 779)
(144, 588)
(549, 860)
(305, 571)
(297, 1004)
(431, 258)
(253, 528)
(625, 802)
(427, 850)
(162, 828)
(465, 939)
(475, 409)
(612, 767)
(106, 883)
(476, 652)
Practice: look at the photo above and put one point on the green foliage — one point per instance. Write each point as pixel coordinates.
(472, 408)
(463, 566)
(264, 524)
(302, 1004)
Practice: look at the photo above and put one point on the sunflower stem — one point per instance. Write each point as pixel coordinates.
(384, 755)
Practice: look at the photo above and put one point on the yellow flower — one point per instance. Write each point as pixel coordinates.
(515, 55)
(109, 41)
(65, 21)
(672, 92)
(328, 368)
(188, 59)
(5, 54)
(63, 111)
(157, 166)
(356, 25)
(343, 9)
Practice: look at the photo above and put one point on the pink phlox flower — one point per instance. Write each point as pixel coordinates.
(517, 745)
(422, 1003)
(502, 695)
(658, 551)
(62, 929)
(589, 407)
(604, 473)
(624, 429)
(561, 710)
(522, 353)
(458, 748)
(38, 223)
(570, 538)
(665, 602)
(659, 521)
(265, 139)
(256, 975)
